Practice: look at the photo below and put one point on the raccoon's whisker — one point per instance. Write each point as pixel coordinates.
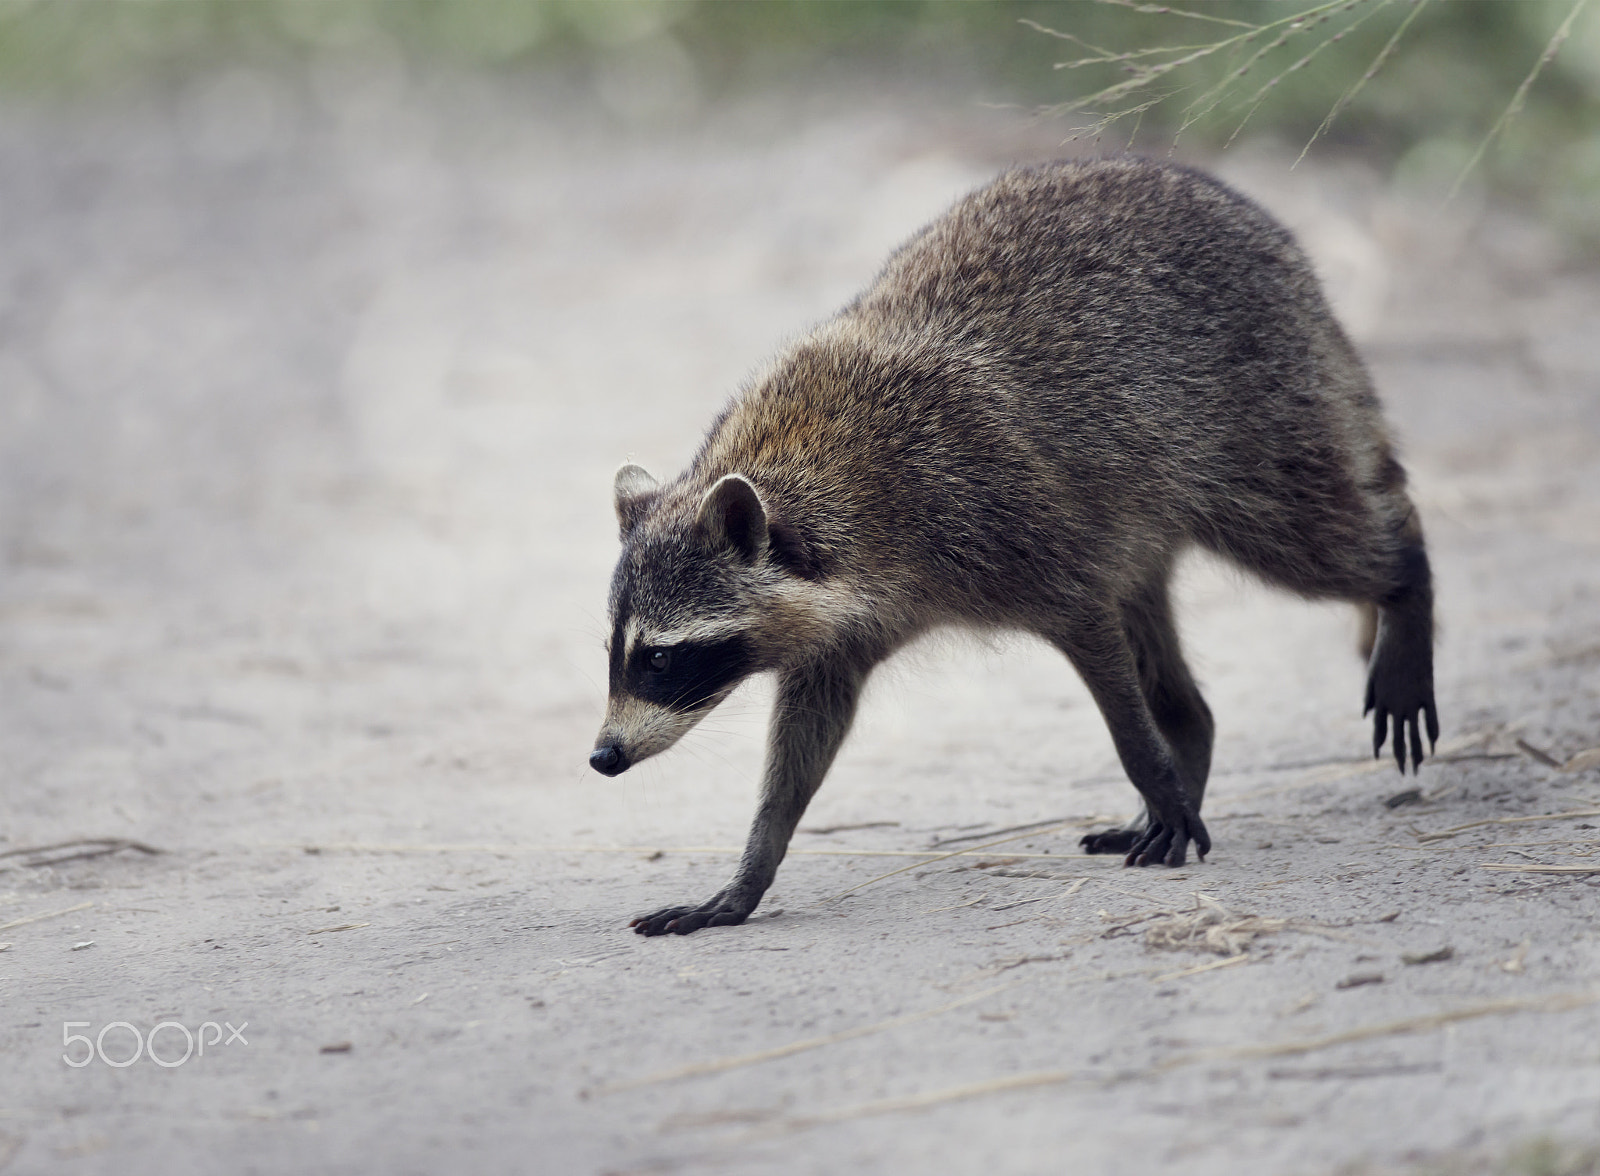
(695, 740)
(701, 752)
(719, 733)
(589, 678)
(717, 738)
(743, 715)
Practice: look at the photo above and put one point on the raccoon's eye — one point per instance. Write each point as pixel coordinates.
(660, 660)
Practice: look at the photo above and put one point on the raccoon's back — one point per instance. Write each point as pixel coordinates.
(1086, 258)
(1138, 315)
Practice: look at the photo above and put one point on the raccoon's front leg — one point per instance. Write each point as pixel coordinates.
(814, 708)
(1175, 703)
(1105, 660)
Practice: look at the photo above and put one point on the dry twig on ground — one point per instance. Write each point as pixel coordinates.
(69, 851)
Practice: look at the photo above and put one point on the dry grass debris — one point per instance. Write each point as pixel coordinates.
(1210, 926)
(78, 849)
(1514, 868)
(961, 852)
(1199, 968)
(1423, 1023)
(719, 1065)
(1442, 834)
(39, 918)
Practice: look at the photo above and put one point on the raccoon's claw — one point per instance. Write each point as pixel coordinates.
(1406, 731)
(1168, 843)
(681, 920)
(1414, 711)
(1111, 841)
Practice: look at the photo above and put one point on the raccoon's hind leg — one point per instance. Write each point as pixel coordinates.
(1174, 700)
(1106, 659)
(1362, 543)
(815, 706)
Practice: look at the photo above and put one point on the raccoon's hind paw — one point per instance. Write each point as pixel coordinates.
(1407, 699)
(1111, 841)
(1167, 841)
(681, 920)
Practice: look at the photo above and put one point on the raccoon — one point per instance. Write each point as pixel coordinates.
(1043, 399)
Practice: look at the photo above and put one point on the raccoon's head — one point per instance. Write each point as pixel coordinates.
(705, 594)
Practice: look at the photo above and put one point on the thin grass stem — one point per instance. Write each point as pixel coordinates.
(1372, 70)
(1514, 107)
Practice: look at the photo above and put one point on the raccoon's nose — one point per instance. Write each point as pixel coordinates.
(608, 760)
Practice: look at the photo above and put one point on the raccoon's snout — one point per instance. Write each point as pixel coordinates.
(609, 760)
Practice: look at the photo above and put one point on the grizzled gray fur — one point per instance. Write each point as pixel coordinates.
(1044, 398)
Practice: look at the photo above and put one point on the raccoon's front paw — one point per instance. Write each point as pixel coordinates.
(720, 911)
(1166, 840)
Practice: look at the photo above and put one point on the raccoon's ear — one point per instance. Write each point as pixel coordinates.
(731, 514)
(635, 490)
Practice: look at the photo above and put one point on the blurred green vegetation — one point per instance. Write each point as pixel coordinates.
(1423, 114)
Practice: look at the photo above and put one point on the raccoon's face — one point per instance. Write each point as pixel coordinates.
(686, 615)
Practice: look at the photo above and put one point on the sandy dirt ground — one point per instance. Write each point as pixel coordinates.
(310, 394)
